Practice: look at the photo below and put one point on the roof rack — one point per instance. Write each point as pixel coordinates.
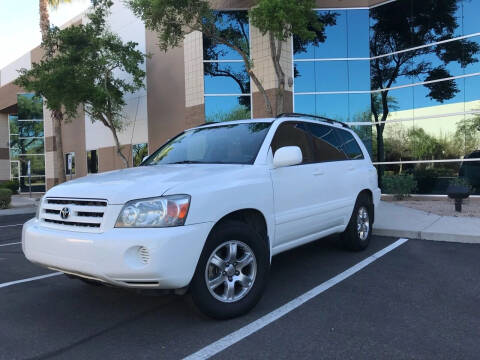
(331, 121)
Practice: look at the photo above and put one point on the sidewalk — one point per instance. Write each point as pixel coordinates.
(400, 221)
(21, 204)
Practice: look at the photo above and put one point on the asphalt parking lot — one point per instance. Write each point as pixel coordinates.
(420, 300)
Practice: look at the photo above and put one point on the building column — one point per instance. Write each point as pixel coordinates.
(194, 85)
(4, 148)
(265, 71)
(50, 149)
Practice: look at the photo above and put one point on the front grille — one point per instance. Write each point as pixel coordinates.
(74, 214)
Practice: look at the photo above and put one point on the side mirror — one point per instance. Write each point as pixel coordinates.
(287, 156)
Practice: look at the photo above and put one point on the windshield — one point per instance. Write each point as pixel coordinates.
(225, 144)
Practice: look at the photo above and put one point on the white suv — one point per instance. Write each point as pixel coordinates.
(208, 210)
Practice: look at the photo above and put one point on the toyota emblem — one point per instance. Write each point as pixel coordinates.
(65, 213)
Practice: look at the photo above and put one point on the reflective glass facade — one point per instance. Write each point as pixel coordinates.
(27, 143)
(226, 82)
(409, 67)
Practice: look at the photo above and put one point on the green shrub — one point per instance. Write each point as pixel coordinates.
(5, 198)
(10, 184)
(399, 185)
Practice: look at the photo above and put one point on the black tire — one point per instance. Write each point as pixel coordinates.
(202, 296)
(351, 237)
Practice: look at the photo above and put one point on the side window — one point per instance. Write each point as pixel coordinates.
(326, 144)
(350, 145)
(293, 134)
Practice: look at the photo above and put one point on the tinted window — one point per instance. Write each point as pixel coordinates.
(349, 145)
(226, 144)
(293, 134)
(326, 144)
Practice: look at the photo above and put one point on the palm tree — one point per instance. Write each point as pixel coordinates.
(56, 114)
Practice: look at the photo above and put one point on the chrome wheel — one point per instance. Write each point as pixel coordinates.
(231, 270)
(363, 223)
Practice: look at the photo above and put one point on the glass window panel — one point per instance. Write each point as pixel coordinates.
(431, 67)
(385, 21)
(364, 132)
(14, 169)
(333, 106)
(226, 78)
(427, 14)
(37, 164)
(382, 70)
(399, 103)
(470, 171)
(305, 76)
(447, 92)
(29, 107)
(13, 124)
(139, 151)
(225, 108)
(26, 145)
(359, 75)
(360, 109)
(358, 45)
(474, 67)
(30, 128)
(331, 75)
(234, 22)
(305, 104)
(472, 92)
(471, 10)
(335, 45)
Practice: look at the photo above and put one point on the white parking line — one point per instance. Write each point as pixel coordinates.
(15, 243)
(236, 336)
(30, 279)
(2, 226)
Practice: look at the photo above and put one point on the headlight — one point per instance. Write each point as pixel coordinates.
(155, 212)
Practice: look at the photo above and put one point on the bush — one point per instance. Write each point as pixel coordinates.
(5, 198)
(10, 184)
(399, 185)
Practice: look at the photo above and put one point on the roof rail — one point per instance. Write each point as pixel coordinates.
(331, 121)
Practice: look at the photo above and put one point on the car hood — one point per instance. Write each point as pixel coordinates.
(120, 186)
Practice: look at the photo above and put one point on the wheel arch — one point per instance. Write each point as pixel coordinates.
(251, 216)
(368, 193)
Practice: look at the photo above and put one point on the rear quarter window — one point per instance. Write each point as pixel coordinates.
(349, 145)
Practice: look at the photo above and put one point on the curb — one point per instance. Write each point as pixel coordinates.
(427, 235)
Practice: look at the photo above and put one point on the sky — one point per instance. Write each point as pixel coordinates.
(20, 29)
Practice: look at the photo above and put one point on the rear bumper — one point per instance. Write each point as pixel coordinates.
(163, 258)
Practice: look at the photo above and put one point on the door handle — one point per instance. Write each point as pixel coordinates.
(318, 173)
(351, 168)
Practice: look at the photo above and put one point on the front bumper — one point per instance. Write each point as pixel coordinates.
(163, 258)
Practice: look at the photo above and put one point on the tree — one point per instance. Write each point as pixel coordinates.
(56, 113)
(429, 21)
(100, 69)
(279, 19)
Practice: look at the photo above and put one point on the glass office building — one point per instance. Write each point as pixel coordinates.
(405, 74)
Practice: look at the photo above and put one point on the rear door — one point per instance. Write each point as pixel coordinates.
(330, 159)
